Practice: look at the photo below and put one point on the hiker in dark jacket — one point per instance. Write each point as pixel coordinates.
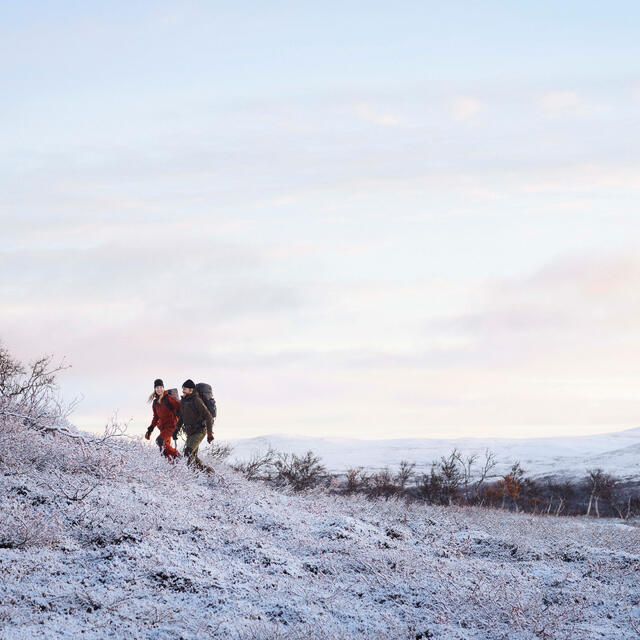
(196, 421)
(165, 416)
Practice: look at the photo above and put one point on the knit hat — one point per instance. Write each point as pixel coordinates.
(158, 383)
(189, 384)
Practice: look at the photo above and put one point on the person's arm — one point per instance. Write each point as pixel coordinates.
(206, 417)
(179, 424)
(154, 422)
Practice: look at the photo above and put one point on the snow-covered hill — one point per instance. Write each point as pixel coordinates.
(107, 540)
(616, 453)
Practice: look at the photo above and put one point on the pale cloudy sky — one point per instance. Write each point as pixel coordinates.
(367, 219)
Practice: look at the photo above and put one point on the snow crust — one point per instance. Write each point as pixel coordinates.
(110, 541)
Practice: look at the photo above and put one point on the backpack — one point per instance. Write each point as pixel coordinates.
(206, 394)
(165, 400)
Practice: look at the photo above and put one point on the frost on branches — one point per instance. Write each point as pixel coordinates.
(102, 538)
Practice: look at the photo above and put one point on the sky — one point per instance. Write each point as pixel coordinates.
(361, 219)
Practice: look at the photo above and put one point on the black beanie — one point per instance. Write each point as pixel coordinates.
(158, 383)
(189, 384)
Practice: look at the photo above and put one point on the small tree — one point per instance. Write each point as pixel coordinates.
(560, 494)
(487, 466)
(30, 391)
(451, 476)
(431, 485)
(600, 484)
(510, 486)
(405, 471)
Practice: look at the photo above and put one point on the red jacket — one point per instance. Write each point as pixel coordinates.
(165, 417)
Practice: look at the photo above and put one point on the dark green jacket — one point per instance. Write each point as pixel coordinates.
(194, 415)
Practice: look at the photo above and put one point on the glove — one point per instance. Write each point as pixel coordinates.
(210, 438)
(147, 435)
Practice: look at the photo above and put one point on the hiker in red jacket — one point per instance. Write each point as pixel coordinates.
(165, 416)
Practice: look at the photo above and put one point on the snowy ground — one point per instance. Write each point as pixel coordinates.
(109, 541)
(616, 453)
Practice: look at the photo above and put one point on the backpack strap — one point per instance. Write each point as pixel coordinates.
(169, 405)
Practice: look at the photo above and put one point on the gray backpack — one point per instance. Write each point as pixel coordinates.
(206, 394)
(174, 393)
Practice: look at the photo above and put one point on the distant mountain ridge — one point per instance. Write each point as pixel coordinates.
(617, 453)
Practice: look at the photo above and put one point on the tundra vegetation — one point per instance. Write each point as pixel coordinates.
(455, 479)
(101, 538)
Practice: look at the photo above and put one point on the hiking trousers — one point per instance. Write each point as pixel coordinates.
(191, 450)
(164, 442)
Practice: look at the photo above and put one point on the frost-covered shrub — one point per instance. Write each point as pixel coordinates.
(218, 451)
(30, 391)
(357, 479)
(284, 469)
(300, 472)
(382, 484)
(259, 465)
(23, 525)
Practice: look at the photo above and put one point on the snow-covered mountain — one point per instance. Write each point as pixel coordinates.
(616, 453)
(105, 539)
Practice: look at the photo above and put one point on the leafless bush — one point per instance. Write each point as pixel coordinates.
(283, 469)
(382, 484)
(71, 488)
(488, 465)
(558, 496)
(219, 451)
(468, 480)
(356, 479)
(431, 486)
(442, 484)
(404, 474)
(31, 391)
(23, 526)
(300, 472)
(624, 502)
(259, 465)
(600, 485)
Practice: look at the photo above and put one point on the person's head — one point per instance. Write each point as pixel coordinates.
(159, 386)
(188, 387)
(158, 389)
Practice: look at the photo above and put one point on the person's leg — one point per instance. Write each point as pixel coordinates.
(191, 451)
(167, 449)
(191, 448)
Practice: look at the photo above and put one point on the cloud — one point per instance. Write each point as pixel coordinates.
(579, 307)
(560, 101)
(162, 299)
(465, 107)
(532, 348)
(519, 319)
(582, 177)
(362, 359)
(281, 260)
(588, 276)
(374, 115)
